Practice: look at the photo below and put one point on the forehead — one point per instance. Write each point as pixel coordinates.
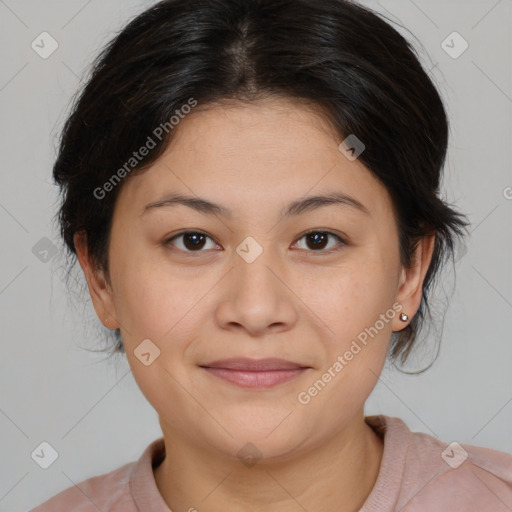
(247, 155)
(273, 128)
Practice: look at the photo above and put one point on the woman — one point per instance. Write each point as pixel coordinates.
(251, 189)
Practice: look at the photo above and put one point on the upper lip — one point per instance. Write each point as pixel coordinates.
(254, 365)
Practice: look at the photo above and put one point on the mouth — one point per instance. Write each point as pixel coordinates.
(255, 373)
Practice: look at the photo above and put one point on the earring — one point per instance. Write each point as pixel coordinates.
(404, 317)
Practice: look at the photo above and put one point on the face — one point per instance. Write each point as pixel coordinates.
(264, 275)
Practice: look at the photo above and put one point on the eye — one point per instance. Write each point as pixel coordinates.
(193, 241)
(319, 240)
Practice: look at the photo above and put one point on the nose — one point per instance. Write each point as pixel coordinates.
(256, 298)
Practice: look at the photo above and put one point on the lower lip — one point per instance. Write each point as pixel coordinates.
(256, 379)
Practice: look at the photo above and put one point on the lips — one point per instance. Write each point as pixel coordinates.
(255, 373)
(254, 365)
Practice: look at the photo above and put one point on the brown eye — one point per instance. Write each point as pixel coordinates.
(192, 241)
(319, 240)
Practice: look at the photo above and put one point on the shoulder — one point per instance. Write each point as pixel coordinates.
(462, 474)
(129, 488)
(107, 492)
(454, 475)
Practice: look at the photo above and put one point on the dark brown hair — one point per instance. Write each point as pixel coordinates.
(337, 54)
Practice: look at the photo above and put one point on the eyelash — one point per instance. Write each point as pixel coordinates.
(169, 241)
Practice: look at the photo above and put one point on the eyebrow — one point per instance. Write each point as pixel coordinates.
(298, 207)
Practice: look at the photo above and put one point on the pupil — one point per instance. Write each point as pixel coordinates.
(317, 237)
(196, 239)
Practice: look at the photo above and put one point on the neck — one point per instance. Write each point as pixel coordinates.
(337, 475)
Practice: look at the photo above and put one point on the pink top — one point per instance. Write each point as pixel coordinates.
(418, 473)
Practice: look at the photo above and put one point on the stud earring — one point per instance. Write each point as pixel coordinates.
(404, 317)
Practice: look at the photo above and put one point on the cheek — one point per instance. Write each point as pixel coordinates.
(358, 313)
(358, 309)
(153, 300)
(350, 298)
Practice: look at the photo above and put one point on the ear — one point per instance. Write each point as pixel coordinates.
(99, 288)
(411, 281)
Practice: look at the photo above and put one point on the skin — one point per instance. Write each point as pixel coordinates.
(294, 302)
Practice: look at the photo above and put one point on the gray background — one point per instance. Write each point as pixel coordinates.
(92, 412)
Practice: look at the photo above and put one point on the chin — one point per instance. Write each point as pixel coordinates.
(268, 441)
